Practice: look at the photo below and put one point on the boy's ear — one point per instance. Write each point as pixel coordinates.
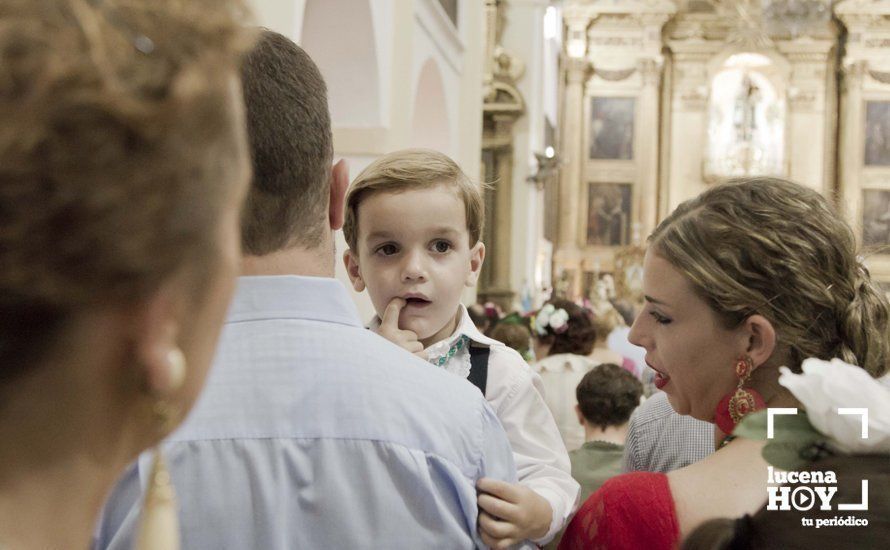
(350, 260)
(477, 256)
(579, 415)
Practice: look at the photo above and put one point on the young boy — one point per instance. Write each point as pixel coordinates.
(413, 224)
(607, 396)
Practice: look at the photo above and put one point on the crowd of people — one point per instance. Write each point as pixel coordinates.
(180, 368)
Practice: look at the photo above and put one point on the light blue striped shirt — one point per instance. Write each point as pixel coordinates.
(313, 432)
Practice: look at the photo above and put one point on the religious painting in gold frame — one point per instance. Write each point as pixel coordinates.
(608, 214)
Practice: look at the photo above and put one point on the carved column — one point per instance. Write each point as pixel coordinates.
(502, 106)
(851, 147)
(572, 140)
(650, 72)
(812, 108)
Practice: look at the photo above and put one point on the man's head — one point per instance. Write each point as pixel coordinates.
(413, 222)
(292, 196)
(607, 395)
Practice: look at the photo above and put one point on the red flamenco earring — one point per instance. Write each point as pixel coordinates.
(741, 402)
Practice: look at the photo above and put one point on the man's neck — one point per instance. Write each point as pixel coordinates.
(612, 434)
(307, 262)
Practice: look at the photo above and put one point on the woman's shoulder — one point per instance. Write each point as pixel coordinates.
(612, 516)
(633, 488)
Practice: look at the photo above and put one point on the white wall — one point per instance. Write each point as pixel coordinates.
(524, 38)
(285, 17)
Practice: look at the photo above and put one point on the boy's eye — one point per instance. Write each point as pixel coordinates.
(387, 249)
(441, 246)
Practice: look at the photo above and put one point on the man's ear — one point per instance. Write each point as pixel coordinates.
(339, 185)
(477, 256)
(154, 331)
(350, 260)
(761, 338)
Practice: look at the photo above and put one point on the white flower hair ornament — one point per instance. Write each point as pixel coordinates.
(826, 386)
(549, 316)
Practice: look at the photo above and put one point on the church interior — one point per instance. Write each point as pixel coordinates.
(528, 274)
(590, 120)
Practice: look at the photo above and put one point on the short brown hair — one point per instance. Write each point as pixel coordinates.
(119, 141)
(289, 127)
(413, 169)
(607, 395)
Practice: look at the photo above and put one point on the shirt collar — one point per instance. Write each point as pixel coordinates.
(559, 362)
(292, 297)
(465, 326)
(603, 445)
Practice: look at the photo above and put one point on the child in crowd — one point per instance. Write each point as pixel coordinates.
(607, 396)
(413, 225)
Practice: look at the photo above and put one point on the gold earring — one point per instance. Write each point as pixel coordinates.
(166, 414)
(159, 524)
(176, 360)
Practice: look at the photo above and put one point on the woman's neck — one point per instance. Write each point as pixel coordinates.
(53, 505)
(65, 442)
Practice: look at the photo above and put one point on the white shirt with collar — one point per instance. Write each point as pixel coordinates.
(516, 393)
(561, 374)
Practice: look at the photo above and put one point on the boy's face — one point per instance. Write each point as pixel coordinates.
(415, 245)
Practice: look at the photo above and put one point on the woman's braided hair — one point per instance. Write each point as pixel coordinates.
(772, 247)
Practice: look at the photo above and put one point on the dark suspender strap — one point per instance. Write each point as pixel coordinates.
(479, 367)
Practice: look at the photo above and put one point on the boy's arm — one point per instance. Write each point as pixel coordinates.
(542, 462)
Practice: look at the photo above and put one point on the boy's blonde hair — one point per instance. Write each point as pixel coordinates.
(410, 169)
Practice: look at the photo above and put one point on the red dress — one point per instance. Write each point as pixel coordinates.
(630, 511)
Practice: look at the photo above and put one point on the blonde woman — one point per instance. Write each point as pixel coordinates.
(749, 276)
(123, 164)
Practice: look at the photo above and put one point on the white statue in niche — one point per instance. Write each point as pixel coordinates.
(746, 126)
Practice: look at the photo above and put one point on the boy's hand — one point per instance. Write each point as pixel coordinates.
(511, 513)
(389, 329)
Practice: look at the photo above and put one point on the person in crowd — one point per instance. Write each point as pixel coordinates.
(564, 338)
(123, 167)
(314, 432)
(661, 440)
(513, 332)
(413, 224)
(617, 341)
(749, 276)
(606, 396)
(851, 469)
(606, 319)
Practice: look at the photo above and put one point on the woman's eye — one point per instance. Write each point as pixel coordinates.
(659, 318)
(441, 246)
(387, 249)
